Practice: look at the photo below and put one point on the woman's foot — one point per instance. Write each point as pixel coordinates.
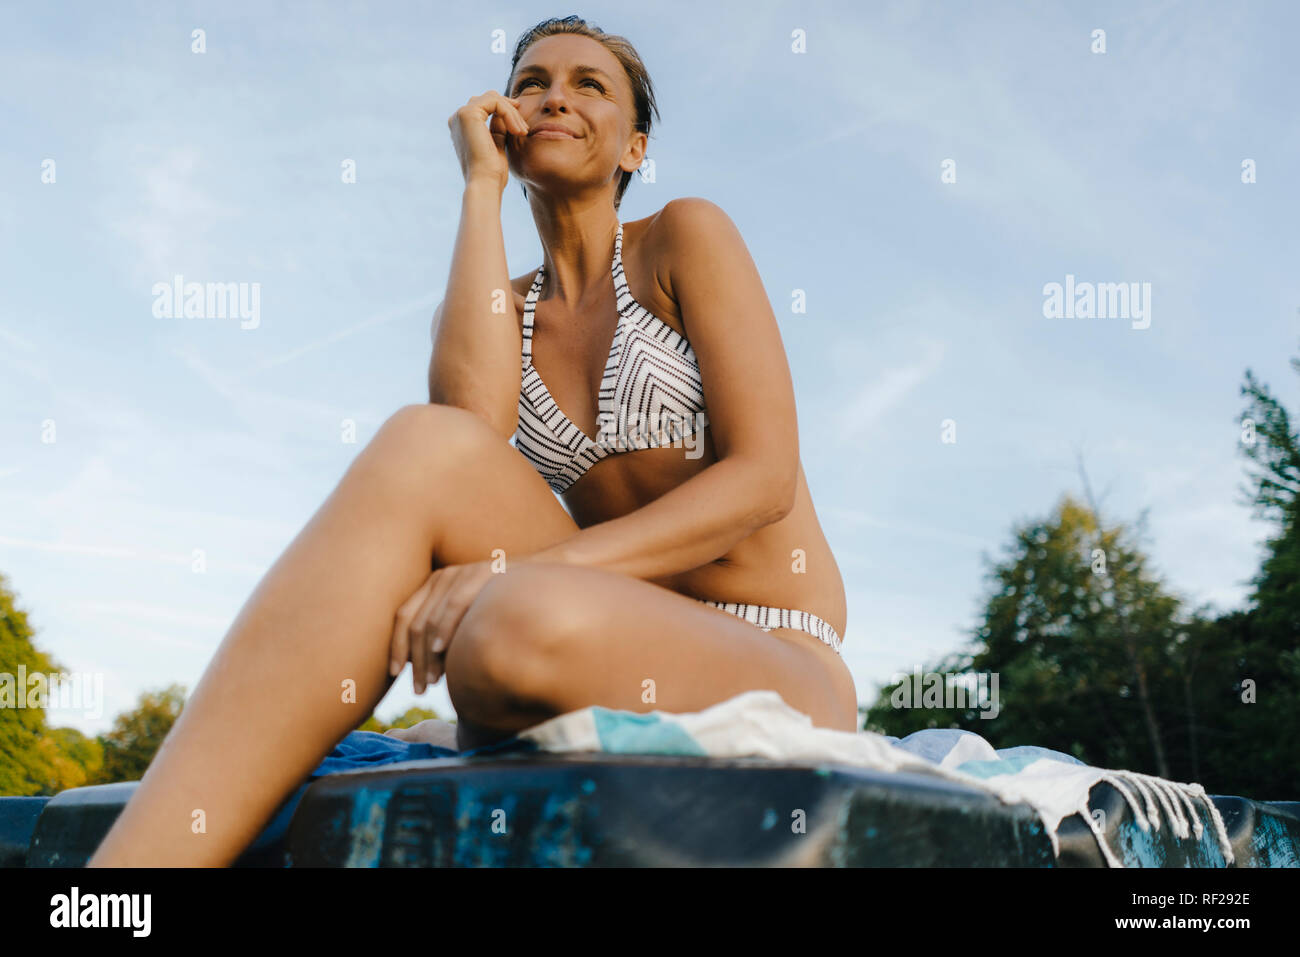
(434, 731)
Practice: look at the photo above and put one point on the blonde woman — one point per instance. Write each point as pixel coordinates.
(642, 376)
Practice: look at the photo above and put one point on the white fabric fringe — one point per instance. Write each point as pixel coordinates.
(761, 724)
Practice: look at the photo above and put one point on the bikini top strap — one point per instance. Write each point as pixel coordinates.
(529, 305)
(620, 281)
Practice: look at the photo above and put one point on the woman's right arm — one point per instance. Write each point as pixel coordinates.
(476, 339)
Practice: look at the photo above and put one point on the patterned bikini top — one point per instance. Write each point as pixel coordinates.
(651, 395)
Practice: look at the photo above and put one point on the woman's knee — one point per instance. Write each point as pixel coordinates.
(418, 439)
(444, 428)
(515, 638)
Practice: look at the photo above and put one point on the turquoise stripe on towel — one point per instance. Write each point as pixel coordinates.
(626, 732)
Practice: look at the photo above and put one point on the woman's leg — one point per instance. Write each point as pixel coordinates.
(546, 639)
(306, 659)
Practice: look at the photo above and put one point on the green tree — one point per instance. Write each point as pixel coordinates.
(408, 718)
(77, 759)
(1264, 668)
(33, 758)
(1097, 658)
(138, 734)
(1084, 639)
(1245, 692)
(1274, 451)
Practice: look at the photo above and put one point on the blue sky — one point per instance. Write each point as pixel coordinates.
(925, 298)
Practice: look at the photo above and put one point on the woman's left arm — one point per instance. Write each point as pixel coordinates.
(749, 398)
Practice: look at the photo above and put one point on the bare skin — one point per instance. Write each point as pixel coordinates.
(585, 611)
(756, 569)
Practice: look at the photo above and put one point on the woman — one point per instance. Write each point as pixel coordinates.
(686, 564)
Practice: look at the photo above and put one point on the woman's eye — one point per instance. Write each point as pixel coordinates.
(523, 83)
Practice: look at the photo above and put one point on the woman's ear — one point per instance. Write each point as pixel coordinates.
(636, 151)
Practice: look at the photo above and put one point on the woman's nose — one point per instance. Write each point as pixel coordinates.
(554, 100)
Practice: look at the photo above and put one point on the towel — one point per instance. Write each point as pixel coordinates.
(760, 724)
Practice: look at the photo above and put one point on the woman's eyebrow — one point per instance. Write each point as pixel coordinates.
(580, 70)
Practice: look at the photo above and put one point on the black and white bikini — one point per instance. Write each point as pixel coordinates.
(651, 396)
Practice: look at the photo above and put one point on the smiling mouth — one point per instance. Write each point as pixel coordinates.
(552, 135)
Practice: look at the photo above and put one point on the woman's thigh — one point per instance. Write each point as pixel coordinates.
(485, 494)
(550, 638)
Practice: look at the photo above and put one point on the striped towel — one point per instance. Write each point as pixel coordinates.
(761, 724)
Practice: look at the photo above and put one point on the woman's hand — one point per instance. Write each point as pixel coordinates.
(482, 149)
(425, 623)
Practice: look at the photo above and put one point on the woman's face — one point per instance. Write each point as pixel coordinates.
(575, 83)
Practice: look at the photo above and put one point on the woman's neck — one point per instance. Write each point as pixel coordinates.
(577, 251)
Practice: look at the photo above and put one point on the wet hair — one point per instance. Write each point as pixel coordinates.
(643, 94)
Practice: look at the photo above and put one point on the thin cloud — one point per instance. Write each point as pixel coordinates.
(164, 214)
(128, 552)
(253, 405)
(888, 390)
(858, 517)
(388, 315)
(16, 341)
(146, 611)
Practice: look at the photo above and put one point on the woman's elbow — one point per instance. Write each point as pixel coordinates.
(784, 500)
(777, 497)
(501, 420)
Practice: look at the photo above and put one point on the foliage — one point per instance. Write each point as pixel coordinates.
(407, 719)
(34, 759)
(1097, 658)
(138, 734)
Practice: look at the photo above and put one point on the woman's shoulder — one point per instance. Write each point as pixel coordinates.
(687, 216)
(685, 232)
(519, 287)
(679, 219)
(679, 233)
(678, 227)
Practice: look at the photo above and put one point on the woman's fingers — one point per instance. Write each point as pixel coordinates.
(422, 631)
(508, 109)
(442, 626)
(399, 649)
(523, 123)
(503, 112)
(508, 120)
(448, 608)
(453, 605)
(415, 650)
(481, 150)
(426, 621)
(419, 652)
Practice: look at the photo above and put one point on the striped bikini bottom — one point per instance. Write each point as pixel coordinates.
(768, 618)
